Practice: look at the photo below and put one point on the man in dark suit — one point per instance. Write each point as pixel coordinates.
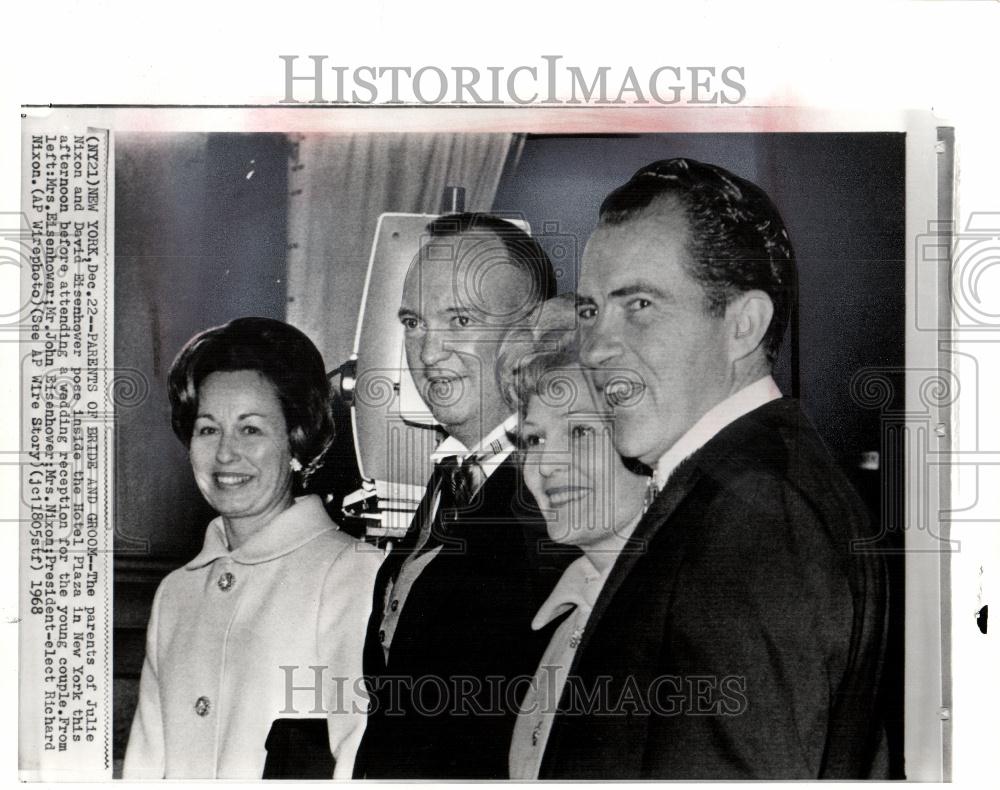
(450, 634)
(743, 635)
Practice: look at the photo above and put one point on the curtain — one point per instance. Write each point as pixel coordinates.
(338, 186)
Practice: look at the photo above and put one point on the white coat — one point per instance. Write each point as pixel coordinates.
(297, 594)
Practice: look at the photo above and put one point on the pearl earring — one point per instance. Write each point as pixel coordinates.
(296, 465)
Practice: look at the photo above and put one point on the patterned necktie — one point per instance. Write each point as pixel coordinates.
(459, 481)
(457, 484)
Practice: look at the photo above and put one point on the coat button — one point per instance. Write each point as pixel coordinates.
(395, 604)
(381, 636)
(202, 706)
(226, 581)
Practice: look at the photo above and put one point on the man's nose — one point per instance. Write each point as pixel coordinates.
(434, 348)
(599, 344)
(227, 450)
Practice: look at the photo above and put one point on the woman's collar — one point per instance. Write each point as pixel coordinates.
(289, 530)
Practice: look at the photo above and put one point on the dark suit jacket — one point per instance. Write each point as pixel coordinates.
(465, 630)
(745, 639)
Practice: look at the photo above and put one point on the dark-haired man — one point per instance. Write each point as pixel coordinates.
(745, 639)
(450, 628)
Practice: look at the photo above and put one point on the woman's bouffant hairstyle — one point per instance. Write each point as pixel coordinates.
(281, 354)
(546, 341)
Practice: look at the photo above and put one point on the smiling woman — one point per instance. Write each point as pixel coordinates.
(568, 460)
(240, 453)
(250, 400)
(589, 496)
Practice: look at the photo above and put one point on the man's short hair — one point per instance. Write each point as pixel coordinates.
(737, 240)
(524, 252)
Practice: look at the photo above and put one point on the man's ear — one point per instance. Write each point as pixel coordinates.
(748, 316)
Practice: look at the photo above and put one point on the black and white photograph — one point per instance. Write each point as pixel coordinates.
(678, 554)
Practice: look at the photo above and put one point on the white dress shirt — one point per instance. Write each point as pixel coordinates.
(740, 403)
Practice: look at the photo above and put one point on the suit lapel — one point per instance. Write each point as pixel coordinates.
(678, 487)
(744, 432)
(374, 658)
(737, 434)
(496, 493)
(680, 484)
(375, 663)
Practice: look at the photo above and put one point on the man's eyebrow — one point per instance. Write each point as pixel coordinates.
(581, 300)
(640, 287)
(406, 312)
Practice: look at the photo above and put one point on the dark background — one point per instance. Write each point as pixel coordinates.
(197, 243)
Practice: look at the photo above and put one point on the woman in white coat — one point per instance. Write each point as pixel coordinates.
(254, 648)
